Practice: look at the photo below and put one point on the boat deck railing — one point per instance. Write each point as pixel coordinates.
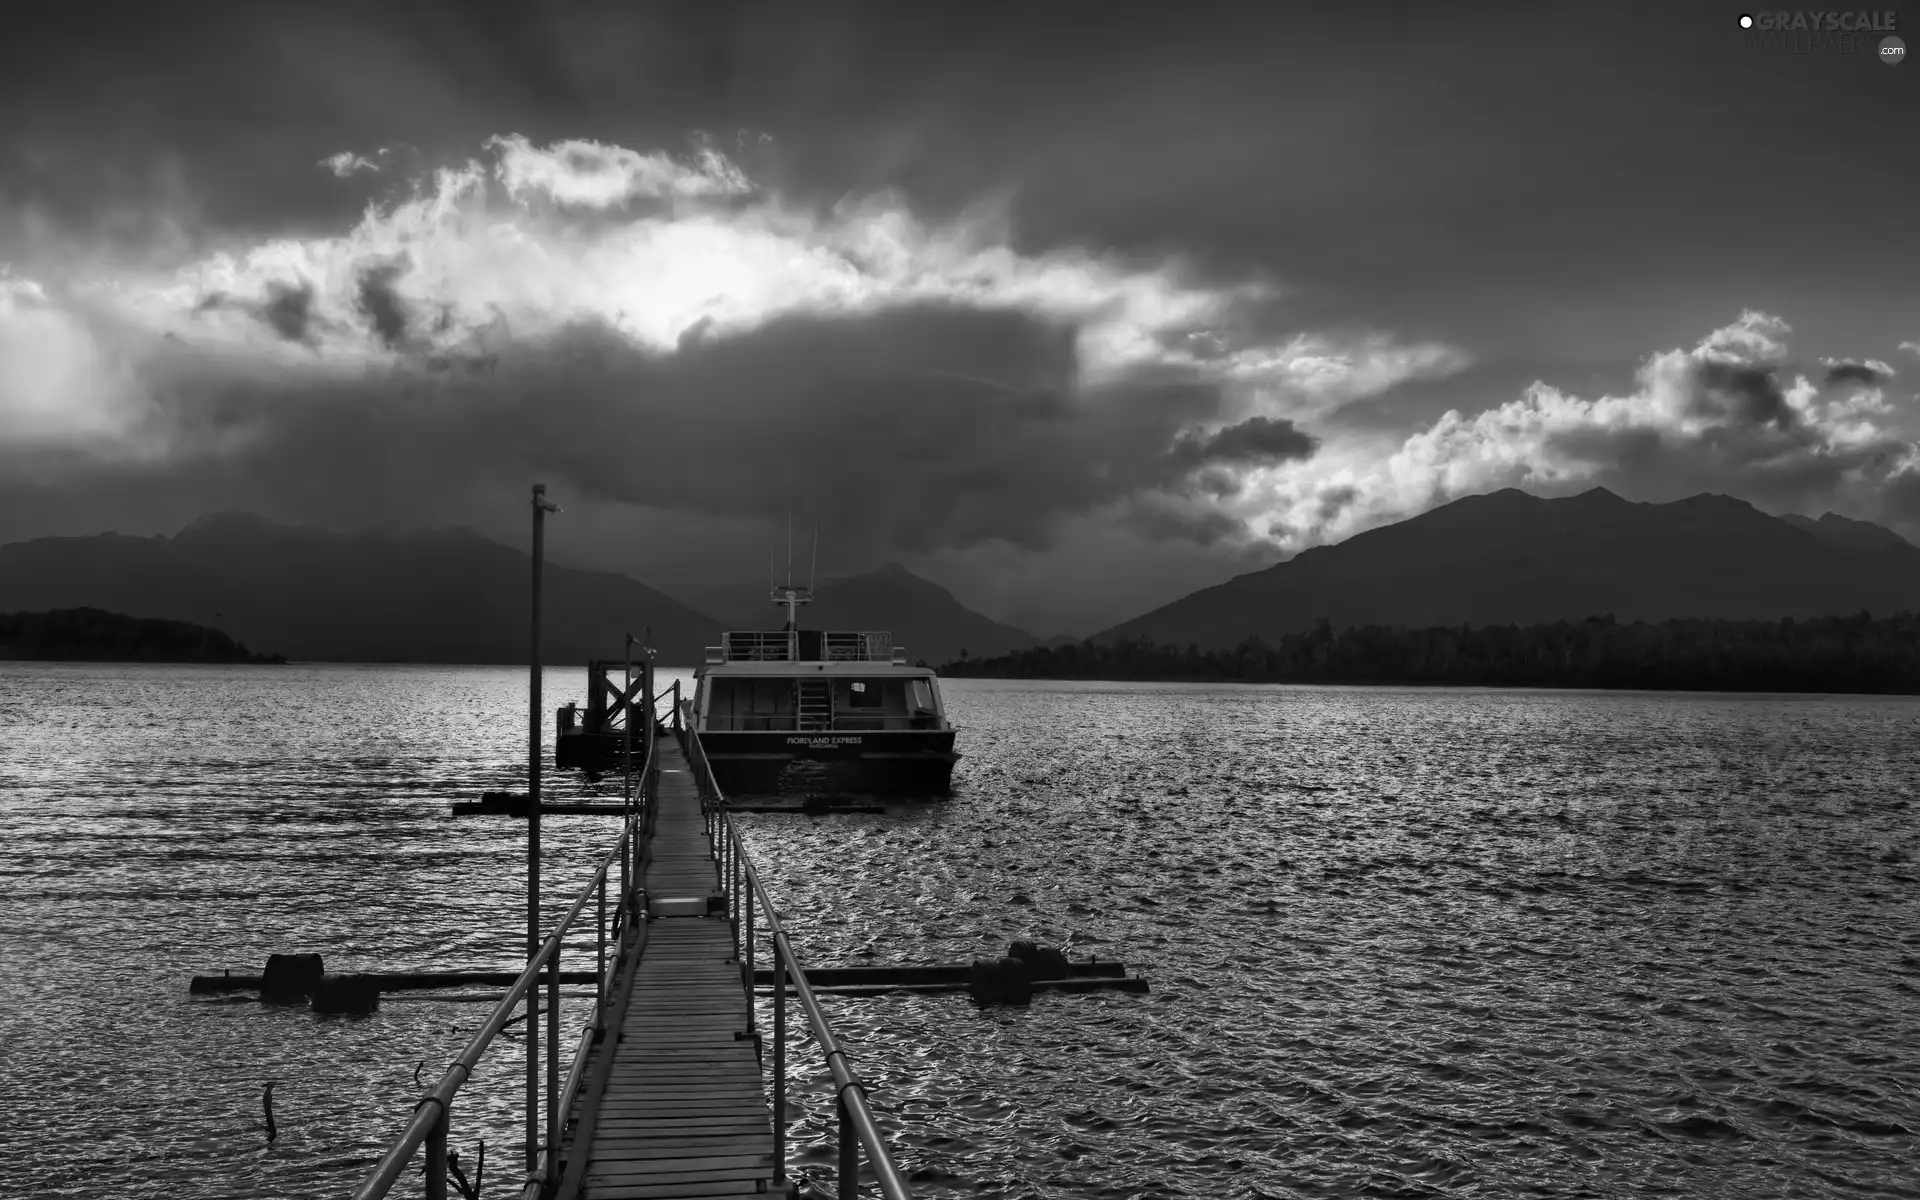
(788, 722)
(783, 645)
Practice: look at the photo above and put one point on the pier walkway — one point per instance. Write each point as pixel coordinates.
(680, 1110)
(669, 1095)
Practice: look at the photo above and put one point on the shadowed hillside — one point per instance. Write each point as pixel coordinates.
(1512, 558)
(443, 596)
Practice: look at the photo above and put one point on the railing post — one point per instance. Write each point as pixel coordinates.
(635, 820)
(600, 957)
(749, 971)
(437, 1156)
(779, 1065)
(849, 1152)
(553, 1062)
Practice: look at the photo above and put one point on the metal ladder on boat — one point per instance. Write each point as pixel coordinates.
(814, 702)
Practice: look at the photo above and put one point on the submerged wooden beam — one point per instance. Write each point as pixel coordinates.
(904, 975)
(800, 806)
(517, 807)
(943, 976)
(392, 981)
(1116, 983)
(498, 804)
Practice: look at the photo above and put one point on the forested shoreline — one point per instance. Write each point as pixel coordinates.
(95, 635)
(1859, 653)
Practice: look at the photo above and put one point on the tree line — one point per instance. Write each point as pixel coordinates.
(95, 635)
(1858, 653)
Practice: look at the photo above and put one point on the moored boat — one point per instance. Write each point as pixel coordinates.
(766, 699)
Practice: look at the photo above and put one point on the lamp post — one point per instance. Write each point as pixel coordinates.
(541, 507)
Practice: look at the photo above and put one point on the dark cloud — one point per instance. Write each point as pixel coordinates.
(1168, 520)
(1218, 484)
(1256, 441)
(1334, 501)
(1864, 374)
(1749, 394)
(381, 305)
(288, 310)
(901, 433)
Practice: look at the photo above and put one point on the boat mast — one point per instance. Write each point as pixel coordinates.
(787, 594)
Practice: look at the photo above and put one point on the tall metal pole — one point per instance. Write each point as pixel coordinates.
(626, 802)
(646, 683)
(541, 507)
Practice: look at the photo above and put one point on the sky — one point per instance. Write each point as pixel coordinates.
(1072, 309)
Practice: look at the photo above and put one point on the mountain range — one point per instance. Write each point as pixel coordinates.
(447, 595)
(451, 595)
(442, 596)
(1513, 558)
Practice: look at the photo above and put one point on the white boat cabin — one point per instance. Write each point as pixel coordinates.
(814, 680)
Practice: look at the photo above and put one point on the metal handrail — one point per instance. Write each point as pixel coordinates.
(836, 645)
(669, 697)
(759, 646)
(857, 646)
(428, 1125)
(851, 1098)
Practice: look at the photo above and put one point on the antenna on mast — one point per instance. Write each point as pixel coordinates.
(786, 594)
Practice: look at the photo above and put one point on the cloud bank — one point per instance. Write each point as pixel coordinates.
(655, 330)
(1732, 414)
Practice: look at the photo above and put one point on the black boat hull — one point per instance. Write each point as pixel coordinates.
(915, 762)
(897, 762)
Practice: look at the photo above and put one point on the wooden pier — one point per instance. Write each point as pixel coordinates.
(665, 1096)
(674, 1105)
(669, 1095)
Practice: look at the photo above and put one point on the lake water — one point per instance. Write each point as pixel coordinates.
(1401, 943)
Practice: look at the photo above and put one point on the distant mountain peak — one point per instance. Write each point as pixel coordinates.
(1715, 500)
(1848, 532)
(1599, 495)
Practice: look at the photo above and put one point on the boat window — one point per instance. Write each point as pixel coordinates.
(751, 704)
(863, 695)
(923, 695)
